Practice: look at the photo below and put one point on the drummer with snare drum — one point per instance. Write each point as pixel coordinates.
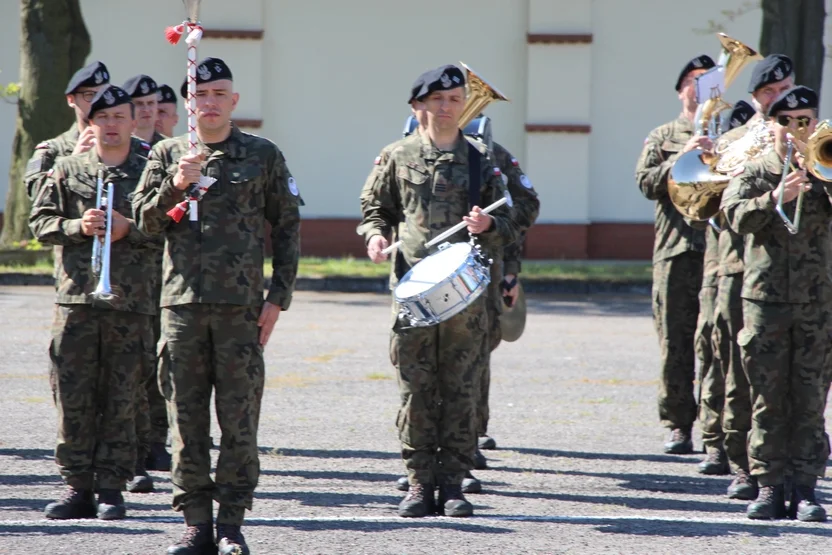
(421, 190)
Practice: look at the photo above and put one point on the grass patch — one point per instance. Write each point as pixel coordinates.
(378, 376)
(42, 267)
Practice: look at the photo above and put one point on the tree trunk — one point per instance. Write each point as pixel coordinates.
(795, 28)
(54, 44)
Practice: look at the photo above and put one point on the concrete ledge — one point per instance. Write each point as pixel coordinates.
(379, 285)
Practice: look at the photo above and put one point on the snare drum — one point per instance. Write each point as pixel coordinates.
(442, 285)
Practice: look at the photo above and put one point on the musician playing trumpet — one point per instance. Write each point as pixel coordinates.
(786, 296)
(422, 190)
(98, 350)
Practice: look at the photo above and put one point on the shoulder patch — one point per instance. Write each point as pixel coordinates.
(526, 182)
(497, 171)
(145, 145)
(293, 187)
(514, 162)
(377, 161)
(50, 172)
(44, 144)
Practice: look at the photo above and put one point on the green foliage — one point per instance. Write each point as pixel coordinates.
(10, 92)
(28, 245)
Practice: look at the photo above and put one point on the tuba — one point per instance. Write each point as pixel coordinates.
(694, 187)
(480, 95)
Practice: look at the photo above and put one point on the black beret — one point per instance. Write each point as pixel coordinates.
(140, 85)
(796, 98)
(92, 75)
(166, 95)
(742, 112)
(108, 97)
(700, 62)
(208, 70)
(417, 86)
(441, 79)
(771, 69)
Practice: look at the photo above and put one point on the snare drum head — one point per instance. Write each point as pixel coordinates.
(432, 269)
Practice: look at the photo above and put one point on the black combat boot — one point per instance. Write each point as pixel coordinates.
(804, 507)
(479, 461)
(452, 502)
(680, 442)
(471, 484)
(769, 505)
(111, 505)
(141, 482)
(486, 443)
(76, 503)
(403, 484)
(197, 540)
(418, 502)
(158, 458)
(744, 486)
(715, 463)
(230, 540)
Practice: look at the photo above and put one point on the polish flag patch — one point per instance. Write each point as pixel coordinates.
(377, 161)
(514, 162)
(497, 171)
(44, 144)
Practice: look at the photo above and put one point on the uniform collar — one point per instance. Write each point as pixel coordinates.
(458, 155)
(131, 168)
(233, 147)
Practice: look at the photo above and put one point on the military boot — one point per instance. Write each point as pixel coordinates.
(769, 505)
(418, 502)
(471, 484)
(452, 502)
(230, 540)
(158, 458)
(479, 461)
(804, 507)
(197, 540)
(715, 463)
(744, 486)
(141, 482)
(76, 503)
(487, 443)
(111, 505)
(680, 442)
(403, 484)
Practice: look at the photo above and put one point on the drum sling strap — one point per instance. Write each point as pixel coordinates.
(474, 176)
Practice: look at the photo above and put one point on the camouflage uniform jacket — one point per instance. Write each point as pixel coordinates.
(421, 191)
(526, 204)
(710, 274)
(156, 138)
(731, 244)
(70, 190)
(44, 157)
(661, 150)
(222, 261)
(779, 267)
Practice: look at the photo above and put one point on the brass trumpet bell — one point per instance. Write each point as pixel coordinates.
(819, 151)
(480, 95)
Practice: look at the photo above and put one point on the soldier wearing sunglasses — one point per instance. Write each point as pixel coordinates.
(78, 139)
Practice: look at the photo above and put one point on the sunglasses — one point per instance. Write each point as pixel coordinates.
(786, 121)
(86, 95)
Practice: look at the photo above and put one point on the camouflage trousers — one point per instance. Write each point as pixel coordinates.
(439, 368)
(151, 410)
(205, 349)
(97, 358)
(676, 285)
(493, 310)
(785, 351)
(711, 374)
(736, 413)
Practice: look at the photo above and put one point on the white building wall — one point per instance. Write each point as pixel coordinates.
(329, 79)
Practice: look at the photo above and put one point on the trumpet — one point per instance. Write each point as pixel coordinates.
(817, 152)
(101, 246)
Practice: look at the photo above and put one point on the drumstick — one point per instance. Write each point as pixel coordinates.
(446, 234)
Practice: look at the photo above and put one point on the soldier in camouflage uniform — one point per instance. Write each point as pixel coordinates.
(770, 77)
(151, 414)
(98, 349)
(215, 321)
(77, 139)
(421, 191)
(786, 296)
(677, 262)
(166, 115)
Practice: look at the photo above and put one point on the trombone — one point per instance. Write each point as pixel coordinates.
(817, 151)
(101, 246)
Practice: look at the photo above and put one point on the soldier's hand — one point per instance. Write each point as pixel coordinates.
(791, 186)
(190, 170)
(514, 292)
(86, 140)
(698, 141)
(121, 227)
(268, 318)
(375, 246)
(92, 222)
(478, 221)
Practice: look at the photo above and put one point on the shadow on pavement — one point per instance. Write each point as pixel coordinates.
(329, 453)
(64, 528)
(642, 503)
(599, 456)
(387, 526)
(29, 454)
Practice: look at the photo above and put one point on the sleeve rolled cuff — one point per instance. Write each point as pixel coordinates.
(72, 229)
(279, 298)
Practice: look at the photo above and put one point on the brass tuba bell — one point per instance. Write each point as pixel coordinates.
(480, 95)
(693, 186)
